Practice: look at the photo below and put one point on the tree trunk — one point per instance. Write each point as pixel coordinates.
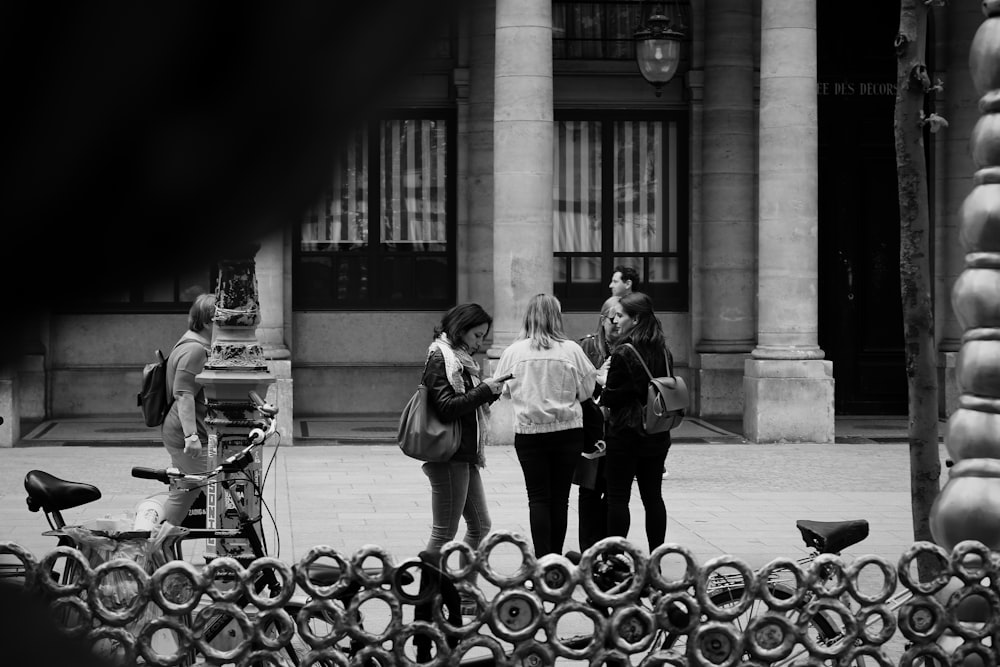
(912, 83)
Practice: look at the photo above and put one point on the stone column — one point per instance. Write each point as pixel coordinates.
(479, 176)
(522, 173)
(272, 278)
(955, 24)
(788, 384)
(726, 264)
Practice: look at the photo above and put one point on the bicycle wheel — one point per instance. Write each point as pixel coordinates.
(821, 628)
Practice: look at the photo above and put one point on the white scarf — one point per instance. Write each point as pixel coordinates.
(457, 361)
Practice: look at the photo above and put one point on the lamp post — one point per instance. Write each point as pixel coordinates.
(658, 47)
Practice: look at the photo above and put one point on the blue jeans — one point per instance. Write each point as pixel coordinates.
(548, 461)
(456, 492)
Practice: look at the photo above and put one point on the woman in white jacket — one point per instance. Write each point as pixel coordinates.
(551, 376)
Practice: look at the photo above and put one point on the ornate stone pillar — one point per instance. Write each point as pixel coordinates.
(954, 25)
(788, 384)
(235, 367)
(726, 264)
(522, 173)
(969, 505)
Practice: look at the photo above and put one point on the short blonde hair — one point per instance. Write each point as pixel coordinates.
(202, 312)
(543, 321)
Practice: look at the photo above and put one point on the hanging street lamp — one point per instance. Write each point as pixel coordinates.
(658, 47)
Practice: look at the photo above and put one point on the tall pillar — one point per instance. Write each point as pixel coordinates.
(788, 384)
(479, 177)
(726, 274)
(954, 26)
(522, 173)
(273, 279)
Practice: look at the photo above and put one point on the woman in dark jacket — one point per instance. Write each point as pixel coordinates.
(456, 393)
(631, 453)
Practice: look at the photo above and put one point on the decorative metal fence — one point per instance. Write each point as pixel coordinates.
(547, 610)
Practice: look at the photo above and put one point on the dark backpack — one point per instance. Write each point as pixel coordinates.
(153, 398)
(666, 398)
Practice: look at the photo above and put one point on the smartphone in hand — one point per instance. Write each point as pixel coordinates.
(504, 378)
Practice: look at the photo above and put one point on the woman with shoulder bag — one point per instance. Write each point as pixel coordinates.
(631, 453)
(455, 392)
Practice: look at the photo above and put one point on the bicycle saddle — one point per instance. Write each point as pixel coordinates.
(832, 536)
(48, 492)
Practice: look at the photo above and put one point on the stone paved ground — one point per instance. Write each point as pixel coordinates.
(737, 499)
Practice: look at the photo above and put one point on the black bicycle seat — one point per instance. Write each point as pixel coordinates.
(832, 536)
(49, 493)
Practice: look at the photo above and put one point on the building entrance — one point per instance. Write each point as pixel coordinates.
(860, 316)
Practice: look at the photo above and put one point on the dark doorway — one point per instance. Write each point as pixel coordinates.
(860, 316)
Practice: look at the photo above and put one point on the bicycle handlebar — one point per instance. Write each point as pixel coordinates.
(234, 463)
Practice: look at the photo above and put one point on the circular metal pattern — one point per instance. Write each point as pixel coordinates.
(286, 583)
(555, 577)
(747, 587)
(125, 643)
(81, 572)
(324, 658)
(826, 575)
(425, 590)
(182, 633)
(847, 622)
(523, 573)
(327, 612)
(515, 615)
(377, 552)
(633, 629)
(353, 617)
(624, 631)
(972, 550)
(427, 630)
(28, 561)
(889, 579)
(715, 643)
(206, 615)
(136, 595)
(922, 618)
(770, 637)
(776, 594)
(301, 570)
(864, 624)
(213, 574)
(170, 574)
(273, 619)
(470, 628)
(981, 629)
(551, 623)
(919, 549)
(656, 578)
(613, 547)
(468, 559)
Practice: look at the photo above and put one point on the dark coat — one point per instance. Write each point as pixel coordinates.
(451, 405)
(625, 395)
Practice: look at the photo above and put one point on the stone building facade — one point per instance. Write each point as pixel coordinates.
(756, 196)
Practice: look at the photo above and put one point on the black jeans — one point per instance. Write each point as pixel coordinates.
(547, 461)
(627, 461)
(593, 508)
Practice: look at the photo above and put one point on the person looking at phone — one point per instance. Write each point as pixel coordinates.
(456, 392)
(552, 375)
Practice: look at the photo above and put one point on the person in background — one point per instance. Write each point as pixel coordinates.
(551, 376)
(624, 280)
(592, 500)
(456, 392)
(183, 432)
(631, 453)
